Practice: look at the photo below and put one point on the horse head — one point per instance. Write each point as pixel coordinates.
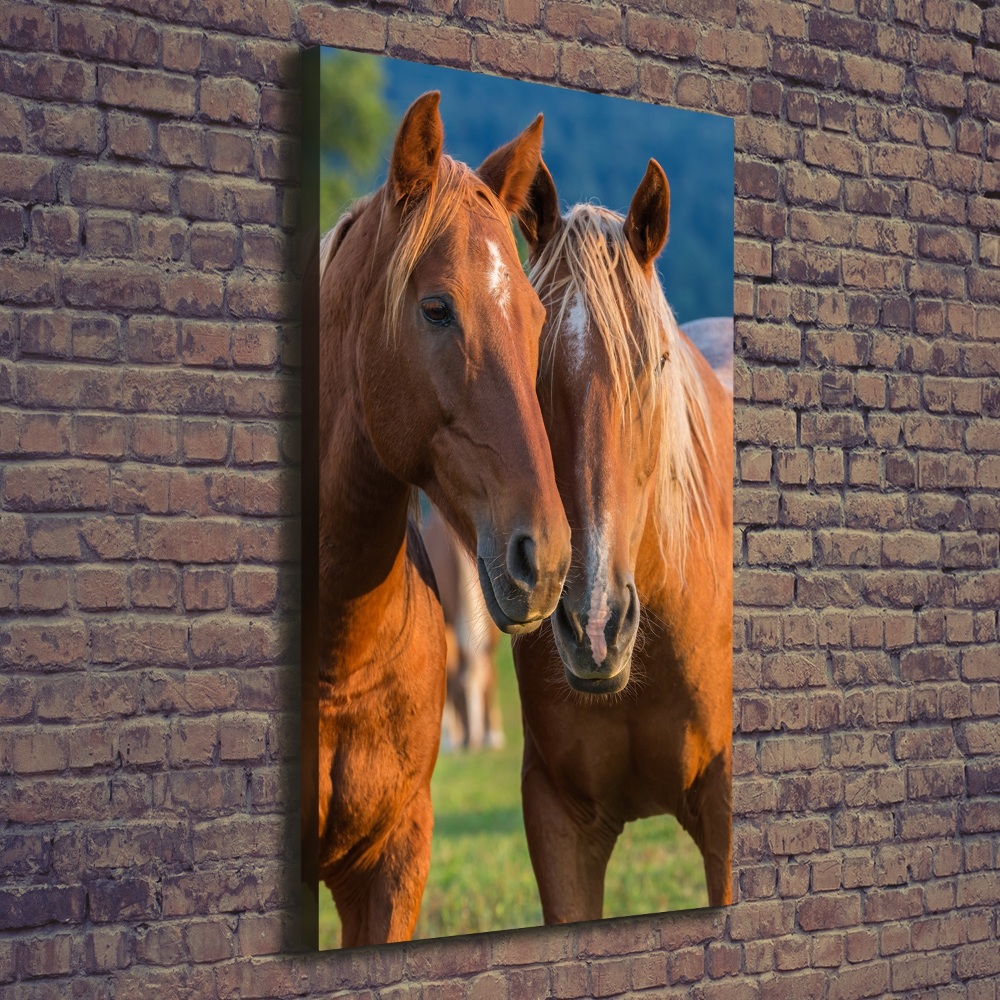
(608, 396)
(447, 355)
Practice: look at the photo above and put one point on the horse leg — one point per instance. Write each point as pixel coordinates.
(494, 720)
(452, 734)
(708, 816)
(569, 843)
(475, 699)
(387, 907)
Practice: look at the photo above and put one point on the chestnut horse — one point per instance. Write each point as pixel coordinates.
(641, 435)
(429, 336)
(472, 705)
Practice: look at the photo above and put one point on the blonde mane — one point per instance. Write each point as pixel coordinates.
(425, 221)
(602, 274)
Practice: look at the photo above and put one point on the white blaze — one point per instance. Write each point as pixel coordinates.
(599, 612)
(597, 618)
(498, 281)
(576, 328)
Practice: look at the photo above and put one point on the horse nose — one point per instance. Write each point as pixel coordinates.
(522, 561)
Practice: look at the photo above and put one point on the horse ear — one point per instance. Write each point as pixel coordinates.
(416, 152)
(539, 219)
(510, 170)
(648, 219)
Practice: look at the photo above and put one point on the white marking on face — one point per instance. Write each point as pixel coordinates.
(599, 612)
(597, 619)
(498, 280)
(576, 328)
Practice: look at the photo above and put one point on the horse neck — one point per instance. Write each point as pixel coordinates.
(363, 517)
(363, 506)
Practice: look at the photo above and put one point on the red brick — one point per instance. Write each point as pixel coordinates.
(57, 644)
(657, 34)
(105, 286)
(803, 62)
(242, 736)
(854, 983)
(205, 590)
(182, 50)
(27, 26)
(531, 57)
(102, 36)
(43, 590)
(130, 136)
(100, 588)
(70, 485)
(48, 77)
(255, 589)
(872, 76)
(229, 152)
(196, 541)
(751, 921)
(264, 249)
(582, 23)
(147, 90)
(256, 346)
(757, 180)
(41, 905)
(193, 294)
(96, 338)
(43, 434)
(606, 70)
(359, 29)
(154, 586)
(110, 234)
(255, 444)
(160, 240)
(121, 187)
(841, 32)
(182, 145)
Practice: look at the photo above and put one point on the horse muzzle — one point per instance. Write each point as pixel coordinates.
(521, 582)
(596, 645)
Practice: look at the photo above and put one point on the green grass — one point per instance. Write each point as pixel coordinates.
(481, 876)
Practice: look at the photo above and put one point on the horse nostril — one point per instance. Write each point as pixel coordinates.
(631, 617)
(521, 561)
(623, 621)
(569, 622)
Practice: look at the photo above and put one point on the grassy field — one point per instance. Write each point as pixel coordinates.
(481, 876)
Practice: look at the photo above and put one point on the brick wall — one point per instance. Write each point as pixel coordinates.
(147, 386)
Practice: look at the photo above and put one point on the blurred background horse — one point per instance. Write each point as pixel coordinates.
(472, 718)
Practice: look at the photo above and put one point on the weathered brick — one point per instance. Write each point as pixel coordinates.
(48, 77)
(147, 90)
(130, 136)
(121, 187)
(599, 69)
(359, 29)
(104, 36)
(803, 62)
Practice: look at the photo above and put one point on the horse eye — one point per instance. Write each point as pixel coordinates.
(664, 357)
(436, 311)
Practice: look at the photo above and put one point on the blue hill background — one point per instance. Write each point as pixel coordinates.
(597, 148)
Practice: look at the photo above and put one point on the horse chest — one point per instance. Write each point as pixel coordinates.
(636, 755)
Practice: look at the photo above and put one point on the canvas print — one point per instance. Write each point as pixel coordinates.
(518, 653)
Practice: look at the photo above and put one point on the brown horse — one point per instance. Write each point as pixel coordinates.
(428, 344)
(472, 706)
(628, 713)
